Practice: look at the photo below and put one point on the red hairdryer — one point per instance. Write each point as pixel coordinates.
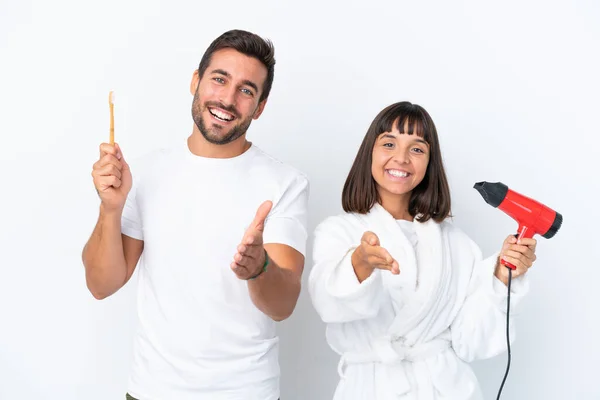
(533, 217)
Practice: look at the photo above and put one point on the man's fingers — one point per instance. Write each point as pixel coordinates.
(242, 260)
(121, 158)
(106, 182)
(239, 270)
(253, 238)
(107, 148)
(108, 159)
(261, 215)
(119, 152)
(250, 251)
(108, 170)
(245, 268)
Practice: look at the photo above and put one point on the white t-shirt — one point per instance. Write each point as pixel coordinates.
(200, 336)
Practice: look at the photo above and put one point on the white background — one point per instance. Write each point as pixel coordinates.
(513, 88)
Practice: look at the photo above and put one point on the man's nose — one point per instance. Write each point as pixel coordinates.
(228, 96)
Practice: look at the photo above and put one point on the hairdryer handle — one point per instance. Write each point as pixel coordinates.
(523, 232)
(506, 263)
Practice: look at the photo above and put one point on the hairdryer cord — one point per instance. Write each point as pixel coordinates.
(507, 332)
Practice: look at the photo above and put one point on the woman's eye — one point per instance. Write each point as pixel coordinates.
(416, 149)
(390, 145)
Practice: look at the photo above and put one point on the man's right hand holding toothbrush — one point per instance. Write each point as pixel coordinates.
(112, 177)
(109, 256)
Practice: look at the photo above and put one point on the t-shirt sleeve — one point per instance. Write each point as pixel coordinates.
(287, 222)
(131, 221)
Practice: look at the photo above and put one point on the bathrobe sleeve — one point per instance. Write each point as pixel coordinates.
(335, 291)
(479, 330)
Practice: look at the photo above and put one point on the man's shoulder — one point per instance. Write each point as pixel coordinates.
(153, 157)
(275, 167)
(152, 164)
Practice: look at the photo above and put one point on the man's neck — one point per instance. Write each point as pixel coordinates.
(201, 147)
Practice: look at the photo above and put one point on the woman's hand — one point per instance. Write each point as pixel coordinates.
(370, 256)
(521, 255)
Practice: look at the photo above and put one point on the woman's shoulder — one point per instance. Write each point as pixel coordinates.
(342, 222)
(340, 219)
(454, 231)
(337, 232)
(457, 235)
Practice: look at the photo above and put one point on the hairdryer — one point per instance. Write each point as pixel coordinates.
(533, 217)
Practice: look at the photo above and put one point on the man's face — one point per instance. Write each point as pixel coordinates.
(226, 97)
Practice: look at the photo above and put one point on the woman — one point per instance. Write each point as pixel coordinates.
(407, 297)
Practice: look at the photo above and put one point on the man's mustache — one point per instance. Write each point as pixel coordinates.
(230, 109)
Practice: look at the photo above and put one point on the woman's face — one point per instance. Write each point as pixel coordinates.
(399, 163)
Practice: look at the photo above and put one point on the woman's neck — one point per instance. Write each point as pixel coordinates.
(396, 205)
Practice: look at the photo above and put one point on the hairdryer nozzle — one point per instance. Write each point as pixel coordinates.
(555, 226)
(492, 193)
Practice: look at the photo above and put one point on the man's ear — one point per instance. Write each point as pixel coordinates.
(259, 109)
(194, 83)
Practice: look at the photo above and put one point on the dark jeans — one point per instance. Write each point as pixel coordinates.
(129, 397)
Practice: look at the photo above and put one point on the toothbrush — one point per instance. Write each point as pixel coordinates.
(111, 105)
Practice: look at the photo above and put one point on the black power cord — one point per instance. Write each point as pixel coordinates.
(507, 332)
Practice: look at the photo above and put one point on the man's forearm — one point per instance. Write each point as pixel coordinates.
(275, 291)
(103, 256)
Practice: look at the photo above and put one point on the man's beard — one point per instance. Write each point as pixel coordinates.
(214, 134)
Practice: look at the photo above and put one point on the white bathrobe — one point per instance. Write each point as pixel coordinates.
(409, 336)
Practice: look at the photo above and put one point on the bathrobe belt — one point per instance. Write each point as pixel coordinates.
(391, 352)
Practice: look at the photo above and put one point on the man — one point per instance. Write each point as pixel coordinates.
(221, 230)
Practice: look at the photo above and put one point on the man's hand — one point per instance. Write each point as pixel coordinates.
(250, 257)
(112, 177)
